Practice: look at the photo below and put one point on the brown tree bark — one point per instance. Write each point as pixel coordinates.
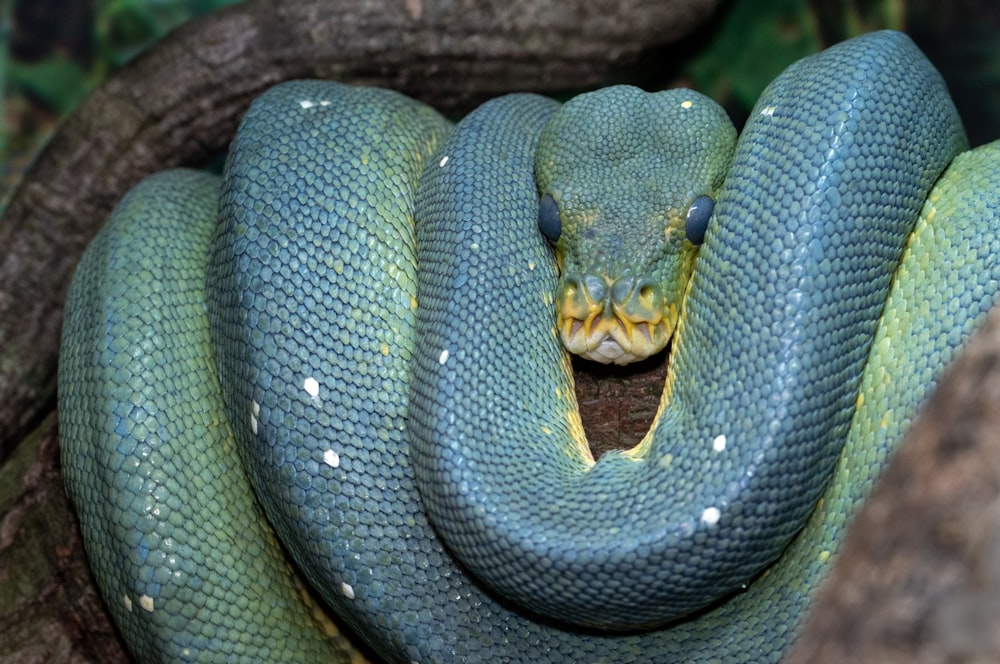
(178, 104)
(50, 609)
(918, 579)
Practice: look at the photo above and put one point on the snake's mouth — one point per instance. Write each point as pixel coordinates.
(614, 321)
(613, 339)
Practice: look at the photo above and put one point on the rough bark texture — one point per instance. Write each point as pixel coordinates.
(179, 104)
(50, 609)
(618, 404)
(918, 580)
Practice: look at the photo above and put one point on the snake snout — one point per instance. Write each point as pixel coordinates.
(614, 320)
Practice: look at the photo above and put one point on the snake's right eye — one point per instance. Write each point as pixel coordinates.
(549, 222)
(696, 222)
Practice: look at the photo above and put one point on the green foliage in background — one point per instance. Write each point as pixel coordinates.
(731, 59)
(741, 60)
(754, 40)
(125, 27)
(40, 91)
(749, 44)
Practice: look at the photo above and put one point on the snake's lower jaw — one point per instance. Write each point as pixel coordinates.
(614, 339)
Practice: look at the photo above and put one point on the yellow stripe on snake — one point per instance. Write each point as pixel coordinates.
(359, 331)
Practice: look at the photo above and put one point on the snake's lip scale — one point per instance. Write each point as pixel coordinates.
(615, 340)
(609, 350)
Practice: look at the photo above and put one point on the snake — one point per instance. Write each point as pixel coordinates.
(326, 399)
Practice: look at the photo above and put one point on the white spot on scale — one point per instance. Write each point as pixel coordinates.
(128, 603)
(254, 414)
(719, 443)
(331, 459)
(444, 160)
(347, 590)
(306, 103)
(146, 602)
(687, 103)
(443, 357)
(311, 386)
(767, 111)
(711, 515)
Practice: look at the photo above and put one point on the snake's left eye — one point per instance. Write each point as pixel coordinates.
(549, 222)
(696, 222)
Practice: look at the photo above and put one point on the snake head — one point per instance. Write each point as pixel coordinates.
(626, 180)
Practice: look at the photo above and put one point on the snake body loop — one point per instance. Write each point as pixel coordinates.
(372, 323)
(649, 536)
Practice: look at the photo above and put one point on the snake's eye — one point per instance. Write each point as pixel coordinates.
(549, 222)
(697, 218)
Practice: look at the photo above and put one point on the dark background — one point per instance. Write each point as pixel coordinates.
(57, 51)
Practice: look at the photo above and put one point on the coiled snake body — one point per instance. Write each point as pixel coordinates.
(372, 322)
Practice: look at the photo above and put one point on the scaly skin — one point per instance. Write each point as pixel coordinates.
(800, 355)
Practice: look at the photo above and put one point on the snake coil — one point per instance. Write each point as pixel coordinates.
(384, 414)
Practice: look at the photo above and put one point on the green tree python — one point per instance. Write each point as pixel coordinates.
(359, 331)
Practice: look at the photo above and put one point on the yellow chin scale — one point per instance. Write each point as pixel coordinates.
(614, 337)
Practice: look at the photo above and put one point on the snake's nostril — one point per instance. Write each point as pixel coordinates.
(571, 285)
(647, 294)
